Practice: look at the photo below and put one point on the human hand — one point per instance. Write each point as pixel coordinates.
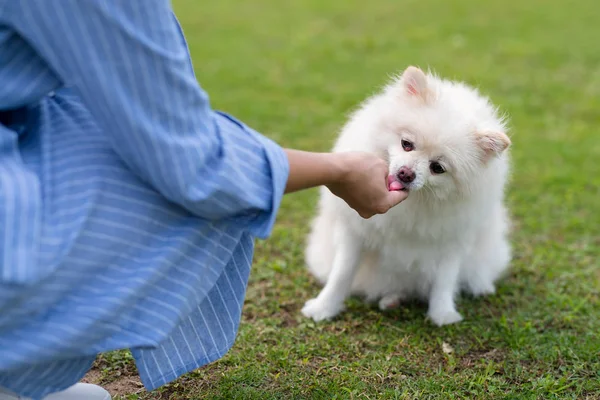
(363, 184)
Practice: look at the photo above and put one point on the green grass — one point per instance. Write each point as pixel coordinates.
(293, 70)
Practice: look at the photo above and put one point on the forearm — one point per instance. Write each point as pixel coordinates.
(309, 169)
(358, 178)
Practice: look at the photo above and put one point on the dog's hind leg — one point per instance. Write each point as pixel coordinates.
(390, 301)
(330, 302)
(320, 247)
(489, 258)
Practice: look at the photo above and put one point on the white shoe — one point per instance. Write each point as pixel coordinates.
(79, 391)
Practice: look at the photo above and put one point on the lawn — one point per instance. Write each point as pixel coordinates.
(293, 70)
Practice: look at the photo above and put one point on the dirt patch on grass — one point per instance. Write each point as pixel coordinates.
(117, 385)
(472, 358)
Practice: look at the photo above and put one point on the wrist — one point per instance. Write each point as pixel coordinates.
(338, 167)
(309, 169)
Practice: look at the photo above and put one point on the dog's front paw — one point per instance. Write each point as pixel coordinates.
(444, 317)
(320, 310)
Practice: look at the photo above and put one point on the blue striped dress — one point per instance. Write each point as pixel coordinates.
(128, 206)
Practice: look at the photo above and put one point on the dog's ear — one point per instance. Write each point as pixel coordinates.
(492, 142)
(414, 82)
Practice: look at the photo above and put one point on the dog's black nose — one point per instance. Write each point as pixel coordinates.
(406, 175)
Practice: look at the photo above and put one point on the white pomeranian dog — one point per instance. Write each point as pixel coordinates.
(447, 146)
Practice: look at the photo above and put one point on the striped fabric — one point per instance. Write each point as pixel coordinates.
(128, 207)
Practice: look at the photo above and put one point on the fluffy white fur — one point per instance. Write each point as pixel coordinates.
(451, 232)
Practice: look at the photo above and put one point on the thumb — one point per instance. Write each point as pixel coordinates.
(396, 197)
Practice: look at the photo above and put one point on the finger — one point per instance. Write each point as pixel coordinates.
(396, 197)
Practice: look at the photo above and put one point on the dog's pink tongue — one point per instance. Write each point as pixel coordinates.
(396, 186)
(393, 184)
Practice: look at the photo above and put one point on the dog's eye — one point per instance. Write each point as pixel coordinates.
(436, 168)
(407, 146)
